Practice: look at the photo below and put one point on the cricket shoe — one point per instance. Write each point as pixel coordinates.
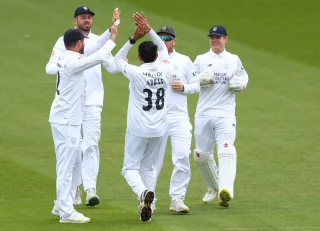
(178, 206)
(55, 210)
(77, 199)
(210, 195)
(76, 218)
(224, 198)
(146, 200)
(153, 207)
(92, 199)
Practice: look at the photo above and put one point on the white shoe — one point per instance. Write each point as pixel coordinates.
(178, 206)
(55, 210)
(153, 207)
(146, 200)
(210, 195)
(77, 199)
(76, 218)
(92, 199)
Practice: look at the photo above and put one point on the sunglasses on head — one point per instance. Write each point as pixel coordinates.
(166, 38)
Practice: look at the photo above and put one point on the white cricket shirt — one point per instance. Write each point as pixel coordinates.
(184, 71)
(94, 88)
(148, 86)
(217, 100)
(69, 103)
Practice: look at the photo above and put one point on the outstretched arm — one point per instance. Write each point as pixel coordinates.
(162, 49)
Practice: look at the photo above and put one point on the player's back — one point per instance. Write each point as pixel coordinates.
(146, 109)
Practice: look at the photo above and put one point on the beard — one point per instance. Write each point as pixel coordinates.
(81, 51)
(85, 28)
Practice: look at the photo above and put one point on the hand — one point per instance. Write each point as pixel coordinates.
(235, 84)
(140, 31)
(116, 15)
(177, 86)
(141, 19)
(206, 79)
(114, 31)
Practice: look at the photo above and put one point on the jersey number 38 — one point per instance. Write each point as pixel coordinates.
(159, 101)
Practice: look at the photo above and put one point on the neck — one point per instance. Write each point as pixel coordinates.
(170, 51)
(84, 32)
(217, 51)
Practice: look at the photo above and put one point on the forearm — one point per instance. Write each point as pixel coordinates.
(120, 57)
(162, 49)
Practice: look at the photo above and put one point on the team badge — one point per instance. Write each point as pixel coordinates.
(214, 28)
(85, 8)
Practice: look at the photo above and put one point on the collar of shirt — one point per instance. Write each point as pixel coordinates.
(172, 53)
(222, 54)
(72, 53)
(148, 64)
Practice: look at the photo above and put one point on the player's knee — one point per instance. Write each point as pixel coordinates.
(225, 149)
(91, 151)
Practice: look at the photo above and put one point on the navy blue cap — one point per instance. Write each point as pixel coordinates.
(218, 30)
(166, 29)
(72, 35)
(83, 10)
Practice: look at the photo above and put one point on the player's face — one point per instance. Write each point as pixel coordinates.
(168, 40)
(218, 43)
(83, 22)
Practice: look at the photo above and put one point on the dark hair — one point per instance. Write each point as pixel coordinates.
(71, 44)
(148, 51)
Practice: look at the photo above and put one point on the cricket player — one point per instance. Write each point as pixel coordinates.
(215, 120)
(179, 127)
(66, 115)
(146, 119)
(91, 125)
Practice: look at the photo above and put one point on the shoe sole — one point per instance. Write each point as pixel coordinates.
(146, 211)
(185, 211)
(95, 200)
(224, 198)
(74, 222)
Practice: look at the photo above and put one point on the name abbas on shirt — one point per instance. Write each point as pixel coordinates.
(154, 77)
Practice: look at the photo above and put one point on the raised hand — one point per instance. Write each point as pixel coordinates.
(141, 19)
(116, 15)
(140, 31)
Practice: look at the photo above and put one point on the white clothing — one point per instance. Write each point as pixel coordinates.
(148, 86)
(91, 128)
(179, 127)
(179, 132)
(69, 103)
(66, 139)
(94, 88)
(139, 162)
(182, 70)
(216, 100)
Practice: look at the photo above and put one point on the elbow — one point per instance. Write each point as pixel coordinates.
(50, 70)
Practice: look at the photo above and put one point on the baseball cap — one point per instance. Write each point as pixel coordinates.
(166, 29)
(218, 30)
(73, 35)
(83, 10)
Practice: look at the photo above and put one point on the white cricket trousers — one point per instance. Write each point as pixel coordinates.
(179, 132)
(91, 129)
(139, 162)
(222, 132)
(66, 140)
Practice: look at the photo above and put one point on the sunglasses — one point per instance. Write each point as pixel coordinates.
(166, 38)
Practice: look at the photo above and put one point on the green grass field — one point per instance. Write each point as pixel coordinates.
(277, 185)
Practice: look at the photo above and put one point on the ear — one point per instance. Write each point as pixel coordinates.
(75, 20)
(174, 42)
(226, 38)
(140, 59)
(155, 58)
